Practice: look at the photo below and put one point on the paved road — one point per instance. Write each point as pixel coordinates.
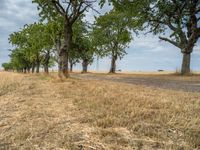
(179, 85)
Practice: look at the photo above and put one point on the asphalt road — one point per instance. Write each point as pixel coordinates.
(178, 85)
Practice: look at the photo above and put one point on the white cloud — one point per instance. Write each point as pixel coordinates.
(13, 15)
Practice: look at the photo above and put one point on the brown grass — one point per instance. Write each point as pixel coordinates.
(8, 82)
(46, 113)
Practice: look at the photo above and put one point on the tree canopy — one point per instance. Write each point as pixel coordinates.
(111, 36)
(33, 41)
(63, 35)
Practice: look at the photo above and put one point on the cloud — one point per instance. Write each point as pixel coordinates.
(13, 16)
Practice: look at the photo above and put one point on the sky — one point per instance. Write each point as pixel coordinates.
(145, 52)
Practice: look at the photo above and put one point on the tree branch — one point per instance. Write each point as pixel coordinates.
(58, 7)
(170, 41)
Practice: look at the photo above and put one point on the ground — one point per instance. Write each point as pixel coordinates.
(97, 111)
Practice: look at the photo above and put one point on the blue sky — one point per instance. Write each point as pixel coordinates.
(145, 53)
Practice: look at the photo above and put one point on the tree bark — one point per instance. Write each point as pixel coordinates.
(24, 70)
(58, 49)
(38, 67)
(59, 68)
(71, 67)
(46, 69)
(186, 63)
(113, 65)
(64, 53)
(85, 64)
(28, 69)
(37, 64)
(33, 68)
(192, 28)
(46, 62)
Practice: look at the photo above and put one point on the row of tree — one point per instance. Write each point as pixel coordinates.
(63, 36)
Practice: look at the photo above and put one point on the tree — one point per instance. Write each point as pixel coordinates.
(82, 45)
(48, 42)
(73, 59)
(33, 45)
(111, 36)
(182, 19)
(179, 17)
(21, 57)
(70, 11)
(20, 60)
(86, 52)
(54, 27)
(7, 66)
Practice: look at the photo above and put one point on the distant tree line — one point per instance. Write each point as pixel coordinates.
(63, 36)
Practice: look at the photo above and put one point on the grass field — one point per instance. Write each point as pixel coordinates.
(43, 112)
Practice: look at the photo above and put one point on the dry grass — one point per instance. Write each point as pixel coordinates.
(8, 82)
(155, 118)
(46, 113)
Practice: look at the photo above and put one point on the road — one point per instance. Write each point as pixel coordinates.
(170, 83)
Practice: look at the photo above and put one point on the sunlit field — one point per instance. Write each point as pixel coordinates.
(8, 82)
(44, 112)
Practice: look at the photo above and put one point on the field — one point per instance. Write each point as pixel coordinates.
(99, 112)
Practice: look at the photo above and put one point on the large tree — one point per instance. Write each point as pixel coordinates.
(111, 36)
(70, 10)
(180, 19)
(83, 45)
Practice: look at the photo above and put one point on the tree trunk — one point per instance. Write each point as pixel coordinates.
(64, 63)
(85, 66)
(64, 53)
(113, 65)
(24, 70)
(46, 69)
(186, 63)
(37, 65)
(46, 62)
(28, 69)
(58, 48)
(59, 68)
(33, 68)
(71, 67)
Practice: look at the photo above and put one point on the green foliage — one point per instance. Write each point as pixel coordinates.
(7, 66)
(20, 59)
(132, 10)
(46, 10)
(181, 18)
(69, 10)
(111, 35)
(82, 44)
(30, 43)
